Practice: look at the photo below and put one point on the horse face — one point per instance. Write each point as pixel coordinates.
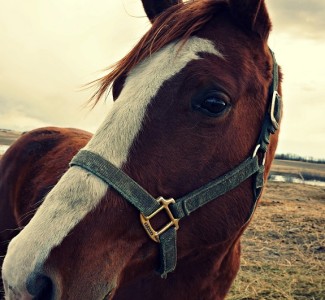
(185, 115)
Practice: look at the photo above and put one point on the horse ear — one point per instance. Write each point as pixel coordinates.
(154, 8)
(253, 15)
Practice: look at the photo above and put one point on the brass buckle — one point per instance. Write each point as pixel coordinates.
(154, 235)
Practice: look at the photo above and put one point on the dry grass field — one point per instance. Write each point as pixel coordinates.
(283, 249)
(299, 169)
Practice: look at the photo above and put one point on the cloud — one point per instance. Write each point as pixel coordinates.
(17, 117)
(51, 48)
(19, 121)
(301, 18)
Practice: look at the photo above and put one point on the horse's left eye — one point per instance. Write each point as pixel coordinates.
(212, 104)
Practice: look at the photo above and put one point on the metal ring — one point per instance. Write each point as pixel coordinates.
(272, 116)
(264, 159)
(256, 149)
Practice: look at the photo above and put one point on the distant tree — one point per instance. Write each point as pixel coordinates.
(295, 157)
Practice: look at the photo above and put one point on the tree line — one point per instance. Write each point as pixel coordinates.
(295, 157)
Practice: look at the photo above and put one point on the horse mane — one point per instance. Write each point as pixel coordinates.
(178, 22)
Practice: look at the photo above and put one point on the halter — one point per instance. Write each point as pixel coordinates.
(182, 207)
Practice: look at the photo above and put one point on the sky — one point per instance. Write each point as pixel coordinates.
(50, 49)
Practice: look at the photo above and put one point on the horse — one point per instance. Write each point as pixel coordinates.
(184, 152)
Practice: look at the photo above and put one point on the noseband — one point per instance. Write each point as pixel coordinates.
(179, 208)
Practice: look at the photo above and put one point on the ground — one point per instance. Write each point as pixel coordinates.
(283, 249)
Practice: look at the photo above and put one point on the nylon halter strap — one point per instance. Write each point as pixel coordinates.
(179, 208)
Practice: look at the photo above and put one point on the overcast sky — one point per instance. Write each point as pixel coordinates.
(49, 49)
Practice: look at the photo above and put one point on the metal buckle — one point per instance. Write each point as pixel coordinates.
(256, 151)
(154, 235)
(273, 119)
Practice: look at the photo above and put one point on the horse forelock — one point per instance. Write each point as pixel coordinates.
(179, 22)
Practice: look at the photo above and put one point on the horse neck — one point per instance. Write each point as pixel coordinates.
(204, 274)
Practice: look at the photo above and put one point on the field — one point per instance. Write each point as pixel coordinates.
(283, 249)
(298, 169)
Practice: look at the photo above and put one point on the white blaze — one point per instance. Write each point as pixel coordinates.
(78, 192)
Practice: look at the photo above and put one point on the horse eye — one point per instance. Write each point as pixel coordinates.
(213, 104)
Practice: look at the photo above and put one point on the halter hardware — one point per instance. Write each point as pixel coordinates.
(275, 98)
(154, 235)
(256, 150)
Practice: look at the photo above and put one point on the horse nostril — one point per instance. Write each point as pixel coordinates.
(40, 286)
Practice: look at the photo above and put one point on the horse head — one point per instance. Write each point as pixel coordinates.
(190, 102)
